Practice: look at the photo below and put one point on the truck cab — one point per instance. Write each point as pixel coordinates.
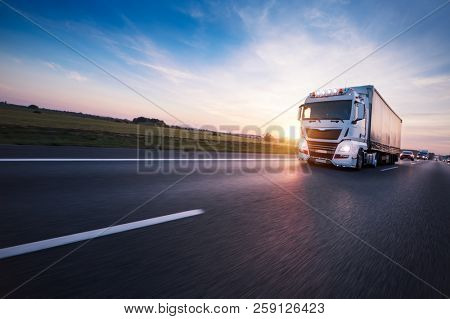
(349, 127)
(334, 128)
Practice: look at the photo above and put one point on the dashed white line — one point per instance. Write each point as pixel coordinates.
(64, 240)
(139, 159)
(387, 169)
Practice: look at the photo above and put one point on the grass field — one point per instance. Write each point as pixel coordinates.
(25, 126)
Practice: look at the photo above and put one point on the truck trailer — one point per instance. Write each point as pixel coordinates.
(349, 127)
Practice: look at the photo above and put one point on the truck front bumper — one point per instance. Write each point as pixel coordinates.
(344, 162)
(339, 162)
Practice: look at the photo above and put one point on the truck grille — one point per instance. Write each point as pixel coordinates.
(322, 149)
(332, 134)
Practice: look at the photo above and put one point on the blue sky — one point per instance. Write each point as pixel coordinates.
(231, 63)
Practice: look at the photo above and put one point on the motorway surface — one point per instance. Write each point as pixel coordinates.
(275, 229)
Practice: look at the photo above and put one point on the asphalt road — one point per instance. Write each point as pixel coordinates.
(270, 229)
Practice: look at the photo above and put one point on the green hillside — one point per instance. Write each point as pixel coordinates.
(38, 126)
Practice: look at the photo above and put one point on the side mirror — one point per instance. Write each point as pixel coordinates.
(360, 113)
(300, 112)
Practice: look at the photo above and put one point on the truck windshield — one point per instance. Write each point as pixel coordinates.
(330, 110)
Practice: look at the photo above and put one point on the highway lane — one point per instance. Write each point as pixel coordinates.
(258, 237)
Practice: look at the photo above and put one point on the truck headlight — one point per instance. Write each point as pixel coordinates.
(344, 147)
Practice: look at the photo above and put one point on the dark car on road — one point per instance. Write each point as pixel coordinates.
(407, 155)
(422, 155)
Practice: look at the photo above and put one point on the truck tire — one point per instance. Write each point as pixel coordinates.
(379, 159)
(391, 159)
(375, 161)
(359, 160)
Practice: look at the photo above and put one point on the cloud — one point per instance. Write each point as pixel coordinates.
(281, 63)
(70, 74)
(284, 61)
(427, 81)
(430, 125)
(169, 72)
(195, 13)
(137, 49)
(287, 54)
(74, 75)
(52, 66)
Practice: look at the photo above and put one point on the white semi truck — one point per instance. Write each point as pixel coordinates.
(349, 127)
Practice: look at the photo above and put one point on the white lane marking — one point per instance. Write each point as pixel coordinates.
(139, 159)
(64, 240)
(387, 169)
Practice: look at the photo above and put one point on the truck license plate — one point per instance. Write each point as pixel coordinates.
(319, 160)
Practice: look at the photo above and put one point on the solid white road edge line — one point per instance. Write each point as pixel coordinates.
(64, 240)
(139, 159)
(387, 169)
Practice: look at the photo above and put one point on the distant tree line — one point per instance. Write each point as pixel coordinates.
(149, 121)
(142, 121)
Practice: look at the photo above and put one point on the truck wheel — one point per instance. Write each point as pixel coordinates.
(391, 159)
(375, 162)
(379, 159)
(359, 160)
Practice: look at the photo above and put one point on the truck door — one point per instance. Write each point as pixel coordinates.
(363, 114)
(360, 114)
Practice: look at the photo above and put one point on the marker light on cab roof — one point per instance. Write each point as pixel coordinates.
(328, 92)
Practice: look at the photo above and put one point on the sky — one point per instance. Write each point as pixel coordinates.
(228, 65)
